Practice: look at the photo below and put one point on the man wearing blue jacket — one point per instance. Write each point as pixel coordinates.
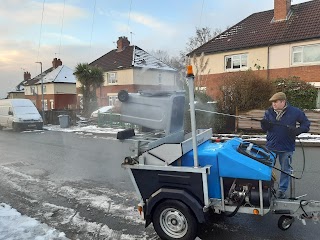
(280, 123)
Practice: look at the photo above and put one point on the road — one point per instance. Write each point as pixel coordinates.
(74, 182)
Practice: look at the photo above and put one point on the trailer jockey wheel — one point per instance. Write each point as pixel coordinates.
(172, 219)
(285, 222)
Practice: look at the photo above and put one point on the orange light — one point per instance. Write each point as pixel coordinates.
(255, 211)
(189, 70)
(140, 209)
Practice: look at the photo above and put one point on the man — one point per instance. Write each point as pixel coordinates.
(279, 122)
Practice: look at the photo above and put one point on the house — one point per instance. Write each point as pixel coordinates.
(131, 68)
(282, 42)
(18, 91)
(59, 88)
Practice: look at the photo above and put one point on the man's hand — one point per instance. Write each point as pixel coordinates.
(266, 124)
(293, 131)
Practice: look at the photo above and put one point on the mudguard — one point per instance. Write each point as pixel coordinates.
(176, 194)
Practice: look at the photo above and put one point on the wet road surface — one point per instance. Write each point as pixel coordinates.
(74, 183)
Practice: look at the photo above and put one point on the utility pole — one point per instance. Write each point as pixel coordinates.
(42, 93)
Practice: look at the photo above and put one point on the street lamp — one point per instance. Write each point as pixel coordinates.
(42, 91)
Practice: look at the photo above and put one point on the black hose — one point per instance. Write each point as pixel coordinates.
(240, 203)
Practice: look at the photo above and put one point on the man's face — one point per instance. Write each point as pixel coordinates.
(279, 104)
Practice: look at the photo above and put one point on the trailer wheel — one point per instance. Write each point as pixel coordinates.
(285, 222)
(173, 219)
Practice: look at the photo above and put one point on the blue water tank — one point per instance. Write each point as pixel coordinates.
(207, 155)
(227, 161)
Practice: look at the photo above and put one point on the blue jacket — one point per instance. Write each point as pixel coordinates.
(281, 135)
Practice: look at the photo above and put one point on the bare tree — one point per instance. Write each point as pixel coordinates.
(203, 35)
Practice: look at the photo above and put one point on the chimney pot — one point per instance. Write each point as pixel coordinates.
(56, 63)
(26, 76)
(122, 43)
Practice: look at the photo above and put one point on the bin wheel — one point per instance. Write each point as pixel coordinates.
(173, 219)
(123, 96)
(285, 222)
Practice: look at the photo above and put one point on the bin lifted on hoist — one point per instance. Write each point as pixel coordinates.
(180, 179)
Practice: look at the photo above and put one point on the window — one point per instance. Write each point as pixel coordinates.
(32, 90)
(160, 78)
(51, 104)
(306, 54)
(112, 100)
(112, 77)
(239, 61)
(44, 89)
(45, 105)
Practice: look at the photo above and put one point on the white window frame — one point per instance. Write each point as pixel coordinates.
(51, 104)
(300, 50)
(233, 58)
(112, 78)
(112, 99)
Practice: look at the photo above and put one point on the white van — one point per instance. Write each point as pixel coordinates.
(19, 114)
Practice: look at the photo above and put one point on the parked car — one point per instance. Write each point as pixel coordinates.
(19, 114)
(105, 109)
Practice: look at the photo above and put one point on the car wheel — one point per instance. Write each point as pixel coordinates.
(15, 127)
(123, 96)
(173, 219)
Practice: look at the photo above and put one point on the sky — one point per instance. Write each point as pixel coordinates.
(80, 31)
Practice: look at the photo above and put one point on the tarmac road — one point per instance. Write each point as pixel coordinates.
(74, 182)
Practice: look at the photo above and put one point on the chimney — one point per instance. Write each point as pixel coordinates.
(56, 63)
(122, 43)
(26, 76)
(281, 10)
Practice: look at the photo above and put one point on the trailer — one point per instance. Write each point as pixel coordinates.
(181, 179)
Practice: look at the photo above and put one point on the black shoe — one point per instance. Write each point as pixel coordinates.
(281, 195)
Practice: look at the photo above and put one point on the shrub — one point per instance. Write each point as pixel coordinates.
(299, 93)
(245, 90)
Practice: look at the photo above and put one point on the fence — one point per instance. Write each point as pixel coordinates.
(243, 124)
(51, 116)
(112, 120)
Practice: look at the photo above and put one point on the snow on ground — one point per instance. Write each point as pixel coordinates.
(14, 226)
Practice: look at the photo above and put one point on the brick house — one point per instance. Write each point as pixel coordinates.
(131, 68)
(282, 42)
(59, 88)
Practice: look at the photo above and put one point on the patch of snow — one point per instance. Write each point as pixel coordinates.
(14, 226)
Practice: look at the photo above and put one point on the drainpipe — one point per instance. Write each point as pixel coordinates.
(268, 63)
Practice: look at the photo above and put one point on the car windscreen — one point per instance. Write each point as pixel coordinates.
(25, 110)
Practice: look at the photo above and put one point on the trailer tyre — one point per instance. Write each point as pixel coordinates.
(173, 219)
(285, 222)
